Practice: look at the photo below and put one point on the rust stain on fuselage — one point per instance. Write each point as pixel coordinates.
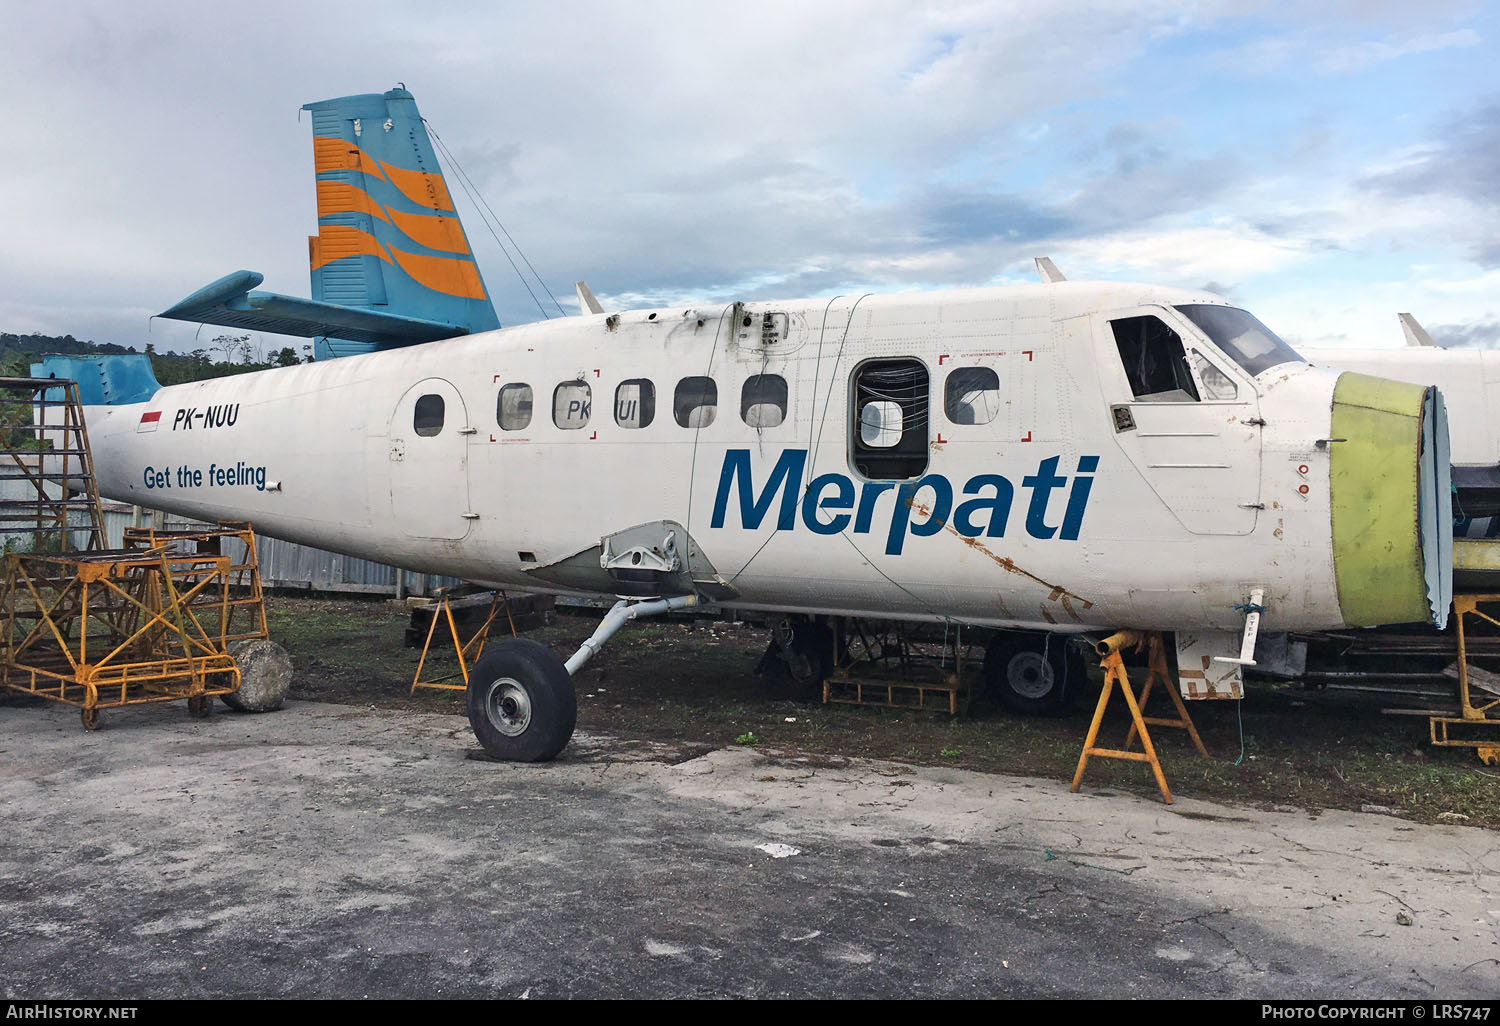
(1057, 594)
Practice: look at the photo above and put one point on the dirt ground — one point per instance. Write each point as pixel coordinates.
(696, 682)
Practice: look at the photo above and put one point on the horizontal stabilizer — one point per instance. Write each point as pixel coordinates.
(229, 302)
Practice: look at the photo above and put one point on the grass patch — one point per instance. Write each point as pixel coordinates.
(674, 680)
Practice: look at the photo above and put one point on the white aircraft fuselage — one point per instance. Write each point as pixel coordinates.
(1045, 494)
(1469, 380)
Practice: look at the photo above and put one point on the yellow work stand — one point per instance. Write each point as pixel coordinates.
(1114, 674)
(466, 657)
(1474, 718)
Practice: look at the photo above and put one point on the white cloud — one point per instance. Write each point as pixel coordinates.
(670, 150)
(1230, 251)
(1360, 56)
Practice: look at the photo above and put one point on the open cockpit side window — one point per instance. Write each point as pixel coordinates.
(890, 418)
(1155, 361)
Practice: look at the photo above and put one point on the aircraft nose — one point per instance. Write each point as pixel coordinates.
(1391, 488)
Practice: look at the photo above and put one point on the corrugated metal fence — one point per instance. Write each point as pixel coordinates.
(282, 564)
(285, 564)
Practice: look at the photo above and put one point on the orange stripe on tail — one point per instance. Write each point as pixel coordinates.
(337, 155)
(443, 274)
(336, 241)
(422, 188)
(438, 232)
(343, 198)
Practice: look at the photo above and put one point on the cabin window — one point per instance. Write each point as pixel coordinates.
(635, 403)
(1154, 359)
(572, 404)
(971, 395)
(889, 427)
(427, 417)
(763, 400)
(696, 402)
(513, 407)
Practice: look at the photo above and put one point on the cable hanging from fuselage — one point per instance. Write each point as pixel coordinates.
(491, 221)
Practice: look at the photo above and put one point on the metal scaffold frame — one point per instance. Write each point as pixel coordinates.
(97, 628)
(245, 608)
(109, 629)
(43, 442)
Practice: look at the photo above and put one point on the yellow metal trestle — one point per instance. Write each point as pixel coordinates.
(468, 652)
(1115, 676)
(99, 628)
(1482, 720)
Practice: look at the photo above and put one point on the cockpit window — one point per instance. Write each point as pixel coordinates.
(1244, 339)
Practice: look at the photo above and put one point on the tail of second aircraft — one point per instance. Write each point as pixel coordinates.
(391, 264)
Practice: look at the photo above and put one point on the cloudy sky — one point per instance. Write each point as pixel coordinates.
(1324, 169)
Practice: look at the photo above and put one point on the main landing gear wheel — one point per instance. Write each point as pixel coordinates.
(521, 701)
(799, 658)
(1035, 674)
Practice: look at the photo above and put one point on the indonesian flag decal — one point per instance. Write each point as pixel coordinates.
(149, 421)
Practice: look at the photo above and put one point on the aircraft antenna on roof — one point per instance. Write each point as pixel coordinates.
(488, 215)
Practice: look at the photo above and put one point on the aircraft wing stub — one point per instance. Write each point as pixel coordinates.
(231, 303)
(1048, 271)
(586, 301)
(1416, 335)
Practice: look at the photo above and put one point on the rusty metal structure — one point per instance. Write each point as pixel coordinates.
(43, 443)
(243, 609)
(882, 669)
(98, 628)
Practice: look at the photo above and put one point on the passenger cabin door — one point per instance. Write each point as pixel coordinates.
(428, 460)
(1186, 416)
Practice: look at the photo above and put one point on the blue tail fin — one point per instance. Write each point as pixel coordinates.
(388, 236)
(391, 264)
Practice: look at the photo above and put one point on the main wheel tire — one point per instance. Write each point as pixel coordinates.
(799, 670)
(1035, 674)
(521, 702)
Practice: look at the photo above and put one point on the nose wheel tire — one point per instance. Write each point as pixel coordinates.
(521, 702)
(1033, 674)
